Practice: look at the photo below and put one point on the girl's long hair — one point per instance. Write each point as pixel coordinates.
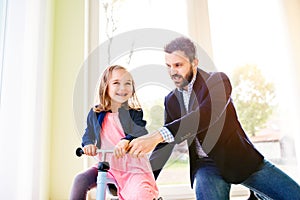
(104, 101)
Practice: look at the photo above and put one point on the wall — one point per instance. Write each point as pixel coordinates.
(67, 59)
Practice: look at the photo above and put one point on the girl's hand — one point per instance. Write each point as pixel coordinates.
(121, 148)
(140, 146)
(90, 150)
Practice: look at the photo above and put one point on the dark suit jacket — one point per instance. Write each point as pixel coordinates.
(212, 120)
(131, 120)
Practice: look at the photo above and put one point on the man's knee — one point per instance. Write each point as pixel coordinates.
(210, 185)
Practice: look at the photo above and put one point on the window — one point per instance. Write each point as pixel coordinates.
(125, 15)
(254, 33)
(122, 16)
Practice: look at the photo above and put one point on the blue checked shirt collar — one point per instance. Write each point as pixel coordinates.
(187, 94)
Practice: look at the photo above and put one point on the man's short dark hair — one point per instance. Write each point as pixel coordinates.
(182, 44)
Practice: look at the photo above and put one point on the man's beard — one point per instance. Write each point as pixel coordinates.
(186, 80)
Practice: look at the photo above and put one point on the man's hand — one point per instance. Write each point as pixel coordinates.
(144, 144)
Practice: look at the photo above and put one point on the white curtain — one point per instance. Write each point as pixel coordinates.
(24, 104)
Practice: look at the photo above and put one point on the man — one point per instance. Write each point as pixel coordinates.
(200, 110)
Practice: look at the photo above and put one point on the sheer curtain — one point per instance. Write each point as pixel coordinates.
(23, 113)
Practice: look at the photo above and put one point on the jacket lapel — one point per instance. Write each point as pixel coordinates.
(179, 97)
(196, 95)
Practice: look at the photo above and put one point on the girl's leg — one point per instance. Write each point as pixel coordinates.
(83, 182)
(272, 183)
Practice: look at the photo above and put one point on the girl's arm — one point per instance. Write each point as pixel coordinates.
(133, 123)
(89, 135)
(90, 150)
(139, 124)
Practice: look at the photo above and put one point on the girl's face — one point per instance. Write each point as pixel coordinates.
(120, 87)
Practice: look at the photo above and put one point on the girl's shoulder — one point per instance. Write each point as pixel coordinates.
(94, 112)
(136, 111)
(133, 113)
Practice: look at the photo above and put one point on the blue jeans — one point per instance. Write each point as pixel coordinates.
(268, 182)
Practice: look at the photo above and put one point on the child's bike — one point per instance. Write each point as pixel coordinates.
(102, 179)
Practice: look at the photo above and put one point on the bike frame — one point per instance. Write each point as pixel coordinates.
(102, 179)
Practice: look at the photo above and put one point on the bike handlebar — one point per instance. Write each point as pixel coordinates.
(79, 152)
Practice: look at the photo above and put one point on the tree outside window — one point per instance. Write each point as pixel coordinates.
(253, 97)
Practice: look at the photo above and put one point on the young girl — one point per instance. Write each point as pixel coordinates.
(112, 124)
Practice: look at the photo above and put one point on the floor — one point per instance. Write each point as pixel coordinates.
(184, 192)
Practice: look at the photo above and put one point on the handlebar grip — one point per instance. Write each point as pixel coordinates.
(79, 152)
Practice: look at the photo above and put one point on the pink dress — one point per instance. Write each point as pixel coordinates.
(134, 177)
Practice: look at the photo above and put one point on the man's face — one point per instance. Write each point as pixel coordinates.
(180, 69)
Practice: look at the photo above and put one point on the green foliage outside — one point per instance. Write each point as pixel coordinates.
(154, 114)
(253, 97)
